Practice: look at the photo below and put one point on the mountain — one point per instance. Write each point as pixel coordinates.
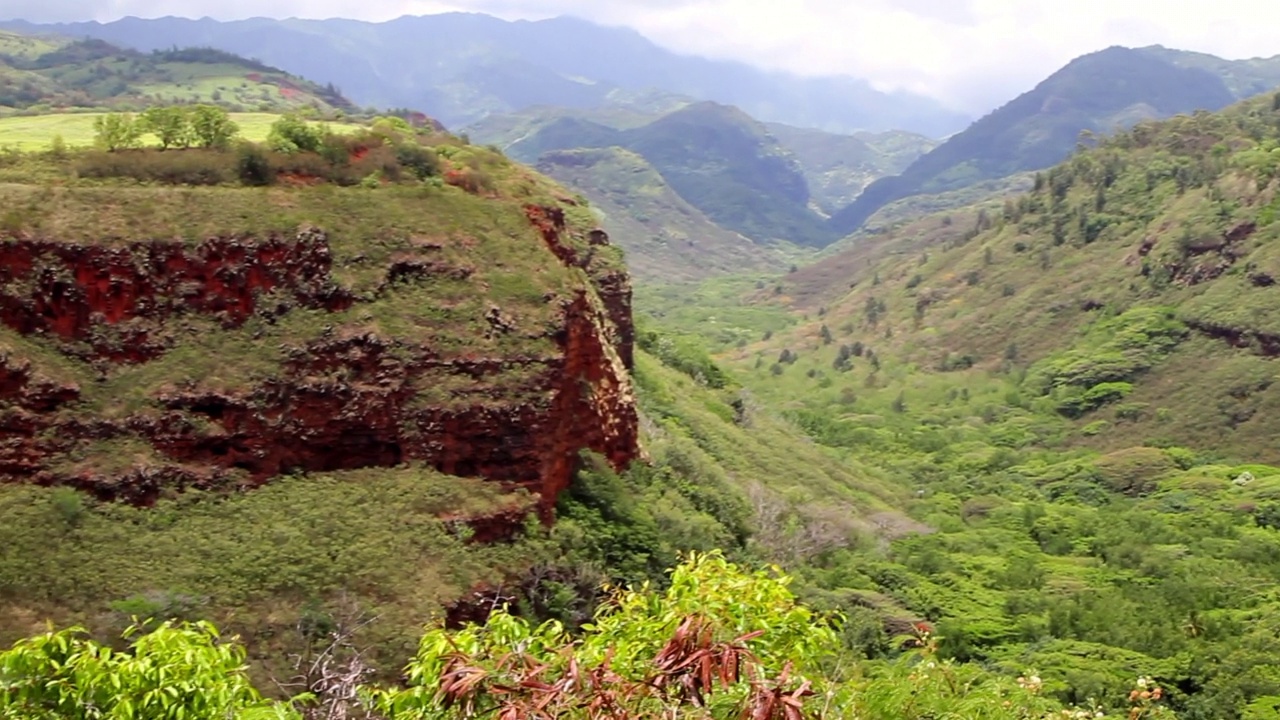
(587, 150)
(1099, 92)
(839, 167)
(1078, 386)
(666, 239)
(57, 73)
(475, 65)
(1129, 294)
(717, 158)
(436, 344)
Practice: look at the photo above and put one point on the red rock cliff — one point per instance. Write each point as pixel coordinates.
(348, 397)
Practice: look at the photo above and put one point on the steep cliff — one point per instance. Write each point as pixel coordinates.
(238, 335)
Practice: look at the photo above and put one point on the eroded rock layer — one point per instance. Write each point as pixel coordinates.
(94, 391)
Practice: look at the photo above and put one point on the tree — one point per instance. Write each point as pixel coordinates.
(212, 127)
(175, 672)
(171, 125)
(290, 134)
(718, 642)
(116, 131)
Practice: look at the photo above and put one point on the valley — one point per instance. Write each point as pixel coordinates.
(627, 398)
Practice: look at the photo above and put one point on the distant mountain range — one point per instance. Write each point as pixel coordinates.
(765, 156)
(768, 182)
(461, 67)
(1102, 91)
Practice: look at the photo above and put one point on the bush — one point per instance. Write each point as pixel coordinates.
(469, 179)
(291, 134)
(253, 167)
(189, 167)
(420, 161)
(64, 675)
(1135, 471)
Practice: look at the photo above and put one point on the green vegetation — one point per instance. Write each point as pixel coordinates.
(666, 239)
(715, 157)
(38, 132)
(1096, 93)
(1010, 458)
(717, 642)
(1065, 387)
(41, 74)
(171, 673)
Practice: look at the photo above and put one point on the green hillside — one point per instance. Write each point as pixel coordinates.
(1077, 388)
(839, 167)
(43, 73)
(1099, 92)
(717, 158)
(666, 238)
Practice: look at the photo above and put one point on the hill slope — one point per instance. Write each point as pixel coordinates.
(476, 65)
(1098, 92)
(666, 239)
(1165, 236)
(52, 72)
(716, 157)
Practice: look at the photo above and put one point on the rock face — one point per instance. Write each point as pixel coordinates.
(349, 396)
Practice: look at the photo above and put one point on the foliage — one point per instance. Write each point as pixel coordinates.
(717, 642)
(173, 672)
(292, 134)
(171, 125)
(212, 127)
(69, 74)
(116, 131)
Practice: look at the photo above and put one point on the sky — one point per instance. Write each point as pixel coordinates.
(972, 55)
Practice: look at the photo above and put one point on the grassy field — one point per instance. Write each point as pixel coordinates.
(36, 132)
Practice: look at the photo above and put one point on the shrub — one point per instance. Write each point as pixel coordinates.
(189, 167)
(1134, 471)
(469, 179)
(290, 134)
(65, 675)
(253, 167)
(420, 161)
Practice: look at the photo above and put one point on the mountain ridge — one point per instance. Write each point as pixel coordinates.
(1040, 127)
(400, 75)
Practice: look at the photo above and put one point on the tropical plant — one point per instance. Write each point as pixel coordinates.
(718, 642)
(175, 672)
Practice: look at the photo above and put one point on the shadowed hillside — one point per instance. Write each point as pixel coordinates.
(1110, 89)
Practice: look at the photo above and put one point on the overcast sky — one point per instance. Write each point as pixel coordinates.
(971, 54)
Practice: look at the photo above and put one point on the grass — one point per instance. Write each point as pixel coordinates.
(258, 561)
(27, 47)
(30, 133)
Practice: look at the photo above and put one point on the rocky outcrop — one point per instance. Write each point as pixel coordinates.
(111, 303)
(351, 397)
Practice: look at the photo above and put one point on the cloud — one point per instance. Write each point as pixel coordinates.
(971, 54)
